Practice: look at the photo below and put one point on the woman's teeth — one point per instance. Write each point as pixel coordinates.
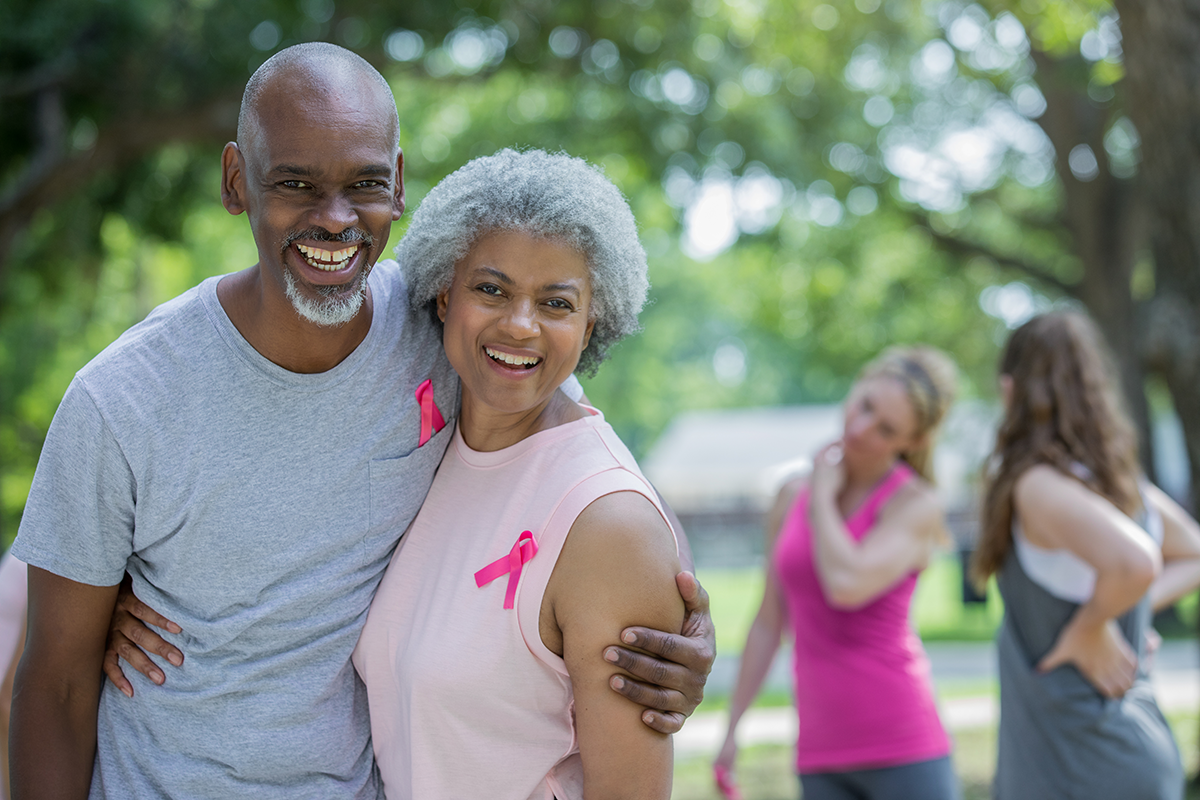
(326, 260)
(511, 360)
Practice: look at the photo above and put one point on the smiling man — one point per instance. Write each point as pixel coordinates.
(250, 454)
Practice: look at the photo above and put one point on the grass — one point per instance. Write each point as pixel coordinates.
(766, 772)
(938, 611)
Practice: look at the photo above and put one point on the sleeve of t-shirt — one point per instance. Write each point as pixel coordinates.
(78, 521)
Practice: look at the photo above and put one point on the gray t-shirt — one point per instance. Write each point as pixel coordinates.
(257, 508)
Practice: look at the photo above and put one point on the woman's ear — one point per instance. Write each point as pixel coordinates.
(443, 302)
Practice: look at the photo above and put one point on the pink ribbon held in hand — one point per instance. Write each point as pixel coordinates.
(431, 418)
(510, 565)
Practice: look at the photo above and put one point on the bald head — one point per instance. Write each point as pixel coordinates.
(314, 69)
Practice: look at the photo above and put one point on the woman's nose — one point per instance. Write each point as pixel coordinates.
(520, 320)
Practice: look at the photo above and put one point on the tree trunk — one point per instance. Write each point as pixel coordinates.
(1106, 219)
(1161, 40)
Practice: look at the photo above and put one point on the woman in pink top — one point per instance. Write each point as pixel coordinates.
(846, 545)
(539, 536)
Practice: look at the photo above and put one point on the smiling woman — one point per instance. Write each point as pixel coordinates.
(539, 535)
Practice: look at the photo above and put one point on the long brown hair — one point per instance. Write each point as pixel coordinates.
(1063, 410)
(930, 379)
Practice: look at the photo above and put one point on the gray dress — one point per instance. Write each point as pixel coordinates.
(1059, 738)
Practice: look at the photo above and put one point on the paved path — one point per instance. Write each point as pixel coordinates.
(956, 665)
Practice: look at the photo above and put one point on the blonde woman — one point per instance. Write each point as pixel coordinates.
(1083, 549)
(846, 545)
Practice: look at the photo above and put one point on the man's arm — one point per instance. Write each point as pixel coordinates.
(6, 689)
(56, 691)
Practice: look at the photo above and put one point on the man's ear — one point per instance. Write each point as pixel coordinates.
(398, 195)
(233, 179)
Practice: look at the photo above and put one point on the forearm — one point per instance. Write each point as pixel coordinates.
(762, 643)
(834, 552)
(1178, 578)
(1115, 592)
(53, 744)
(6, 690)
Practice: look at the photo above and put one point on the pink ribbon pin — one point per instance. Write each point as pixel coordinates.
(510, 565)
(431, 418)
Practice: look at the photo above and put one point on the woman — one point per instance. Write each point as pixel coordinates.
(846, 546)
(531, 262)
(1083, 550)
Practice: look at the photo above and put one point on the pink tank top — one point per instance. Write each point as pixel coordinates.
(863, 690)
(465, 699)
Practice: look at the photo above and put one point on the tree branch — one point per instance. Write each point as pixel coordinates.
(55, 174)
(964, 247)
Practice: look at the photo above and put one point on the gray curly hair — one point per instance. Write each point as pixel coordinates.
(550, 195)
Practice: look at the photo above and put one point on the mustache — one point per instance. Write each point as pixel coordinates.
(322, 235)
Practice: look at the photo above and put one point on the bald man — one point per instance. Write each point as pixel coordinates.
(250, 454)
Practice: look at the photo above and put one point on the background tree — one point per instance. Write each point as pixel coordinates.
(813, 179)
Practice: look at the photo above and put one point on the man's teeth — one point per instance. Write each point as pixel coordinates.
(514, 361)
(327, 260)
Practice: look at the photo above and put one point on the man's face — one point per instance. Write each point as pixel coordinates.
(320, 179)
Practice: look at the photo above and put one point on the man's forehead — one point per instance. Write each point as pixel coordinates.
(318, 133)
(300, 100)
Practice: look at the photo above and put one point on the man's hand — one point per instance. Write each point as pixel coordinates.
(130, 638)
(672, 678)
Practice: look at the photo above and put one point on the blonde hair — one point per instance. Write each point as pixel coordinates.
(1063, 410)
(930, 381)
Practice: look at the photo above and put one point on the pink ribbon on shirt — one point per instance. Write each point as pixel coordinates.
(431, 418)
(510, 565)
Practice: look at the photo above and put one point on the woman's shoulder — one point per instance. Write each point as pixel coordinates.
(791, 488)
(916, 498)
(1043, 486)
(627, 521)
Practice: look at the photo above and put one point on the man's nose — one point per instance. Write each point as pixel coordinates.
(335, 213)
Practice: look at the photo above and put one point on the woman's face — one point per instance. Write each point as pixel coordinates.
(517, 317)
(880, 421)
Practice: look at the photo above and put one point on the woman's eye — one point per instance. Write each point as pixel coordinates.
(559, 303)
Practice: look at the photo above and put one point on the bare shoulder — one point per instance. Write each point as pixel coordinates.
(622, 533)
(1042, 489)
(918, 496)
(791, 488)
(917, 510)
(617, 568)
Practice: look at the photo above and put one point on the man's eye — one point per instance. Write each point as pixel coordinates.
(370, 185)
(294, 184)
(489, 288)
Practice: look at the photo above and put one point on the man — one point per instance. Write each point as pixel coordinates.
(249, 454)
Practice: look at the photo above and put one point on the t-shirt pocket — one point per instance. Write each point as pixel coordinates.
(398, 487)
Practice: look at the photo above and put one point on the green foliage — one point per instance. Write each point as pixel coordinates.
(115, 112)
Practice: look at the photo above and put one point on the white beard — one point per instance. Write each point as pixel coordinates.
(328, 312)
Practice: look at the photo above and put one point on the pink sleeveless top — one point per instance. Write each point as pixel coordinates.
(863, 691)
(465, 700)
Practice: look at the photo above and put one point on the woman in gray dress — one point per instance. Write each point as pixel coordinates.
(1084, 549)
